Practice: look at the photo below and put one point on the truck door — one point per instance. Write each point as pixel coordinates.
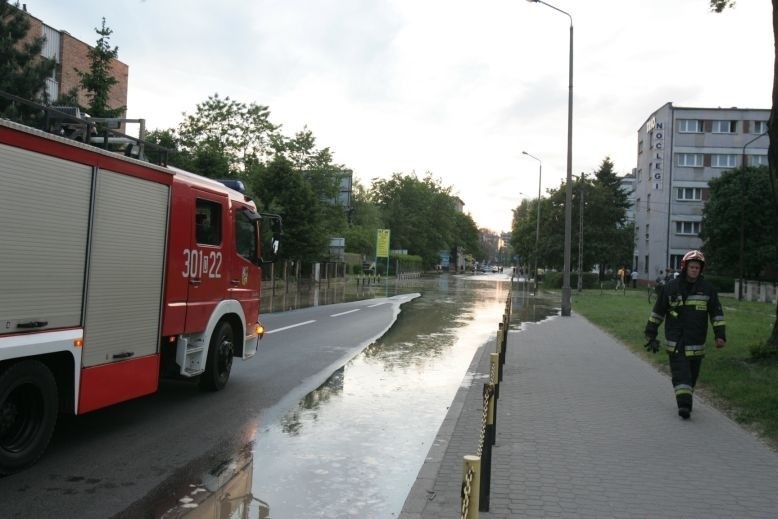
(245, 273)
(204, 263)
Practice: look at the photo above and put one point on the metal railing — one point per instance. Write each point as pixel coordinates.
(69, 123)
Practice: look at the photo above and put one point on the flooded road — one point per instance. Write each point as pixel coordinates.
(353, 446)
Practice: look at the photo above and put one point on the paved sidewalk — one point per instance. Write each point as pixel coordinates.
(587, 429)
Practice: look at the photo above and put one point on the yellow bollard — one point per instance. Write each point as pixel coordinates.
(471, 485)
(494, 367)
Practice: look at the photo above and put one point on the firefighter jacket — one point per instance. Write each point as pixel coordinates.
(686, 309)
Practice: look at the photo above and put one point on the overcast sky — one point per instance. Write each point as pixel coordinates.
(456, 88)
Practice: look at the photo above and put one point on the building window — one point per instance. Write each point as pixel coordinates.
(690, 160)
(640, 147)
(645, 265)
(689, 126)
(760, 127)
(687, 228)
(675, 261)
(647, 225)
(648, 203)
(724, 126)
(723, 161)
(757, 160)
(688, 193)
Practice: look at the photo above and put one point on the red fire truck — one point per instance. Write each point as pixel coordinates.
(115, 272)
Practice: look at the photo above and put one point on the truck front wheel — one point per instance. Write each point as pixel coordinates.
(28, 412)
(221, 350)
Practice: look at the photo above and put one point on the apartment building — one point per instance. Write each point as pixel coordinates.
(680, 150)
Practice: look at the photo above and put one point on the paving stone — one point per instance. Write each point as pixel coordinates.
(586, 428)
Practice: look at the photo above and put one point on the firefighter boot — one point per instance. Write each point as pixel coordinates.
(684, 399)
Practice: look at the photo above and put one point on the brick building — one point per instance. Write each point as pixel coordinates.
(70, 54)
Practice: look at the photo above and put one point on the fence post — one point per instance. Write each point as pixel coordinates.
(486, 451)
(494, 367)
(500, 351)
(471, 482)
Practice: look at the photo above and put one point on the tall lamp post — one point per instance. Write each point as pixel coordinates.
(566, 305)
(537, 226)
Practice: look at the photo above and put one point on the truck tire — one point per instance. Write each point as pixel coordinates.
(219, 361)
(29, 405)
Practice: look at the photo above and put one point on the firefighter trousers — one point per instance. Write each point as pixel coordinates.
(684, 371)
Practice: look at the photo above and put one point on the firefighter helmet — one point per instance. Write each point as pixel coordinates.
(693, 255)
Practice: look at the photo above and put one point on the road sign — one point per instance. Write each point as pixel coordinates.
(382, 244)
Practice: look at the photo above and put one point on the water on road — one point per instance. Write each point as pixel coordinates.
(353, 446)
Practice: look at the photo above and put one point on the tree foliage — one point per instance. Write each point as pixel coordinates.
(739, 197)
(284, 191)
(467, 235)
(99, 79)
(224, 137)
(772, 132)
(419, 212)
(607, 236)
(23, 71)
(365, 220)
(295, 178)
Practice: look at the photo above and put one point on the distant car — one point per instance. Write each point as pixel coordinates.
(495, 268)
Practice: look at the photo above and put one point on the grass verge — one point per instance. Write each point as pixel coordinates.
(744, 387)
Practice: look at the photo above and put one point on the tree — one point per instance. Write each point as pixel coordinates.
(523, 230)
(99, 80)
(23, 71)
(466, 235)
(772, 150)
(739, 196)
(365, 221)
(285, 192)
(419, 212)
(225, 138)
(608, 238)
(323, 175)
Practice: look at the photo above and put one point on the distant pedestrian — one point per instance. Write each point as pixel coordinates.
(687, 302)
(620, 278)
(634, 277)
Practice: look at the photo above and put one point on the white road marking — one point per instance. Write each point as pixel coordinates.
(379, 304)
(290, 326)
(344, 313)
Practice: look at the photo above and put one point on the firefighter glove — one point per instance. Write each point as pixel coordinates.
(652, 345)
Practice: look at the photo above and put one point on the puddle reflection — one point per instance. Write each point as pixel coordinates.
(223, 491)
(353, 447)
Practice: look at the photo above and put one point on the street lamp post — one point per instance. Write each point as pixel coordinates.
(537, 226)
(566, 305)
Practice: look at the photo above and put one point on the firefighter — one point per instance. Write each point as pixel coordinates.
(687, 303)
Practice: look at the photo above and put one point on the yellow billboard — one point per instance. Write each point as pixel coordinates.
(382, 244)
